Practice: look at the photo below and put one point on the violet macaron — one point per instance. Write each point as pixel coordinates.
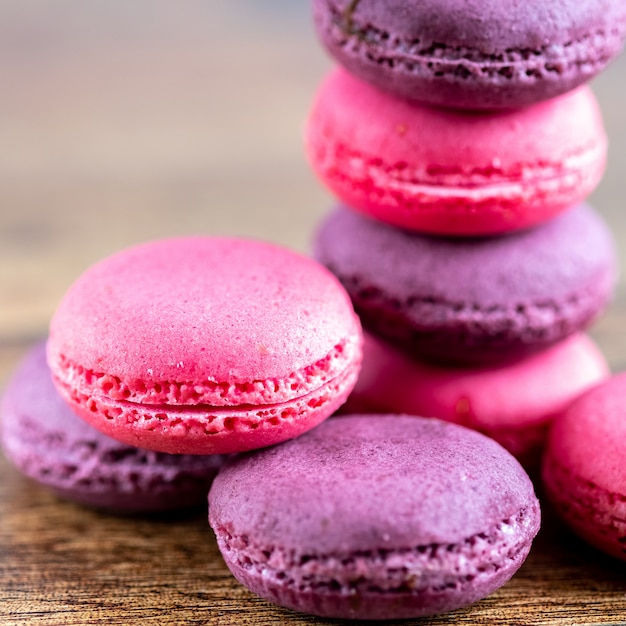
(584, 473)
(480, 300)
(473, 54)
(205, 345)
(513, 403)
(454, 172)
(46, 441)
(375, 518)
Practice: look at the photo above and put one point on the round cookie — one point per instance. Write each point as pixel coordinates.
(375, 517)
(473, 54)
(484, 300)
(512, 403)
(583, 470)
(45, 440)
(205, 345)
(454, 172)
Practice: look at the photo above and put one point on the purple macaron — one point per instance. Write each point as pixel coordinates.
(473, 300)
(43, 438)
(473, 54)
(375, 517)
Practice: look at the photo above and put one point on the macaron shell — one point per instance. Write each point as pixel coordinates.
(513, 403)
(473, 54)
(208, 313)
(454, 173)
(45, 440)
(583, 468)
(481, 300)
(354, 494)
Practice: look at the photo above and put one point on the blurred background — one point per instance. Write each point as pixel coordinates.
(127, 121)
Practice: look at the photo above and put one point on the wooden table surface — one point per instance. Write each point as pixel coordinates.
(127, 121)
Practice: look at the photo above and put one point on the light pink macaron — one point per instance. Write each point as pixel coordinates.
(584, 469)
(205, 345)
(454, 172)
(512, 403)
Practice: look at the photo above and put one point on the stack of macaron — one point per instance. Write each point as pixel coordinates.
(462, 141)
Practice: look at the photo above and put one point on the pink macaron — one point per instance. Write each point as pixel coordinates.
(584, 469)
(512, 403)
(454, 172)
(205, 345)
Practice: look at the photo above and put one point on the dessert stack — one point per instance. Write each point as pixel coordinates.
(462, 142)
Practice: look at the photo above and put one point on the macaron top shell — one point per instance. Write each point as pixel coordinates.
(462, 148)
(217, 321)
(364, 482)
(474, 53)
(589, 438)
(544, 263)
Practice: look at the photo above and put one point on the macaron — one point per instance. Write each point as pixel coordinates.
(205, 345)
(375, 518)
(475, 300)
(47, 442)
(454, 172)
(583, 470)
(473, 54)
(513, 403)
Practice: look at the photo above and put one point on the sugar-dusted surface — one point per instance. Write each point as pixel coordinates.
(113, 130)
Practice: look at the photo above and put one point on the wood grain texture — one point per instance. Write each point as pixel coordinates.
(121, 122)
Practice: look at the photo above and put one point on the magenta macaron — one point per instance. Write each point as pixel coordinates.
(46, 441)
(205, 345)
(454, 172)
(584, 472)
(473, 54)
(513, 403)
(375, 517)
